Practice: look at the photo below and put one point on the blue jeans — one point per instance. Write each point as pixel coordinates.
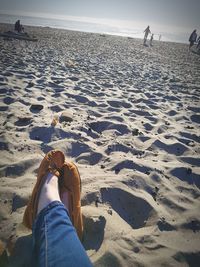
(55, 242)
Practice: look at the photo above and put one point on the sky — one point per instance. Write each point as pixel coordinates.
(170, 14)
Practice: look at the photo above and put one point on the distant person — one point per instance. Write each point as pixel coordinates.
(198, 43)
(146, 31)
(193, 38)
(151, 40)
(18, 26)
(160, 36)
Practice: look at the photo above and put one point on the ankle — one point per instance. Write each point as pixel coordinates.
(49, 192)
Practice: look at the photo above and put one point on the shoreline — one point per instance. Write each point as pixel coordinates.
(114, 34)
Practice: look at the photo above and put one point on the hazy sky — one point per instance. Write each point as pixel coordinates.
(178, 13)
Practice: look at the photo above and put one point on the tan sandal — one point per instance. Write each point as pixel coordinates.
(69, 181)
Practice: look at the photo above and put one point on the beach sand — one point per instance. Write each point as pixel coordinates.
(134, 136)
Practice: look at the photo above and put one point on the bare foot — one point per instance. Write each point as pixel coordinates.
(49, 192)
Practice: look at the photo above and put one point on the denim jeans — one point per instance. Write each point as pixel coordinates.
(55, 242)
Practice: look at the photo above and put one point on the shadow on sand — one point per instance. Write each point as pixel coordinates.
(93, 232)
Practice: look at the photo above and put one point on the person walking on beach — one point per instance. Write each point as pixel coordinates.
(146, 31)
(193, 38)
(151, 40)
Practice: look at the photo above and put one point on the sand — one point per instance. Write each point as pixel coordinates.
(132, 129)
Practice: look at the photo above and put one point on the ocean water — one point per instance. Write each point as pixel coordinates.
(69, 24)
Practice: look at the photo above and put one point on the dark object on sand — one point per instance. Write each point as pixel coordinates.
(198, 44)
(193, 38)
(151, 40)
(16, 35)
(146, 31)
(18, 26)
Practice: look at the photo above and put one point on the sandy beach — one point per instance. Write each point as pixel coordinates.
(129, 117)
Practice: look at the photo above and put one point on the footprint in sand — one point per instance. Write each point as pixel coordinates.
(35, 108)
(3, 107)
(74, 79)
(8, 100)
(23, 121)
(195, 118)
(134, 210)
(101, 126)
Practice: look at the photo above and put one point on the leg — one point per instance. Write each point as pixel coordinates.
(56, 241)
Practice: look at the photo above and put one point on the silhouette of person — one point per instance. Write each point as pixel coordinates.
(18, 26)
(146, 31)
(193, 38)
(151, 39)
(160, 37)
(198, 43)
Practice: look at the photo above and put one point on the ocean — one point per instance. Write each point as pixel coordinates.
(95, 27)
